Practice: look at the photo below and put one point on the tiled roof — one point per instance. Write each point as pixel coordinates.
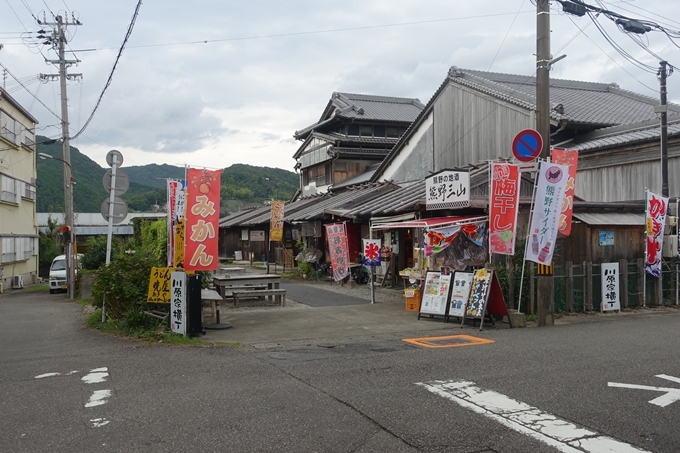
(626, 135)
(369, 108)
(600, 104)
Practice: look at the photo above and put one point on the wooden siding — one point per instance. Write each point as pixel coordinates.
(583, 244)
(470, 127)
(623, 174)
(346, 169)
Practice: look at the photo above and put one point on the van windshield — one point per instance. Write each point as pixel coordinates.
(59, 265)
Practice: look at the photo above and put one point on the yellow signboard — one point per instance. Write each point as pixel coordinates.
(159, 285)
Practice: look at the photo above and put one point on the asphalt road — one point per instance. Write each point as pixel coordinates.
(66, 388)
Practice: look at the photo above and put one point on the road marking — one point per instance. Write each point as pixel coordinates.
(672, 395)
(96, 376)
(449, 341)
(98, 398)
(41, 376)
(99, 422)
(531, 421)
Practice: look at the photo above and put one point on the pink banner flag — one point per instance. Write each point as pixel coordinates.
(503, 208)
(569, 158)
(655, 221)
(336, 234)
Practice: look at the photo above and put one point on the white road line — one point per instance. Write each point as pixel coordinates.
(671, 396)
(531, 421)
(99, 422)
(96, 376)
(40, 376)
(98, 398)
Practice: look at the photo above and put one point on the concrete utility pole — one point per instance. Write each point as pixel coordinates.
(663, 109)
(545, 283)
(58, 40)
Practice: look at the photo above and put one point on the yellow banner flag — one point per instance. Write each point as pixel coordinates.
(276, 230)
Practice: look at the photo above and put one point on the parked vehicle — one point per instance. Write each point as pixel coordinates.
(58, 272)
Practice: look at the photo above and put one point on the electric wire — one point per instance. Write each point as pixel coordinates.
(29, 92)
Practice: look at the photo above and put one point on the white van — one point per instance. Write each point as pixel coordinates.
(58, 272)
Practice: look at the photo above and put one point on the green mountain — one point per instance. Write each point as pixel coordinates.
(241, 185)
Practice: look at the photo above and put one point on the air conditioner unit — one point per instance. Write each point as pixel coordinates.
(17, 282)
(670, 246)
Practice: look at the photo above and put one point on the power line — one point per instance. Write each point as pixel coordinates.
(29, 92)
(113, 69)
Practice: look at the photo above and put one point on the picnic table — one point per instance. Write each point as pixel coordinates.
(272, 281)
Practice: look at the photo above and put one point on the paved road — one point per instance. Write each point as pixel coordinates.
(65, 388)
(318, 297)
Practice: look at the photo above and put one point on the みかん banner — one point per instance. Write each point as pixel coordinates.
(655, 221)
(202, 217)
(504, 208)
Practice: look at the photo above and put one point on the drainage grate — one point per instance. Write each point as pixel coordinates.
(451, 341)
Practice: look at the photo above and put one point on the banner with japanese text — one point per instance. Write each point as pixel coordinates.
(569, 158)
(655, 222)
(610, 287)
(372, 252)
(552, 182)
(178, 307)
(276, 229)
(179, 221)
(171, 196)
(202, 217)
(339, 251)
(504, 207)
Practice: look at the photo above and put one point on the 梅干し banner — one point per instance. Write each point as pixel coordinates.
(504, 208)
(545, 220)
(202, 216)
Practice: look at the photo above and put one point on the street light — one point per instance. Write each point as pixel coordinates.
(68, 219)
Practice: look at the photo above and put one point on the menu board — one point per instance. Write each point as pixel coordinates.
(460, 293)
(479, 293)
(435, 293)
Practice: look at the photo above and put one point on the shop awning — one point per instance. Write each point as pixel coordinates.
(436, 222)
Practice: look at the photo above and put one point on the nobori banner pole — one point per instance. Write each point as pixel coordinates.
(370, 236)
(524, 258)
(644, 271)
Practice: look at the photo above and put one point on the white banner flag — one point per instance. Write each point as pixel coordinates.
(545, 220)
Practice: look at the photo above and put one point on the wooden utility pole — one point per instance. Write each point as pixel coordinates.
(663, 109)
(545, 283)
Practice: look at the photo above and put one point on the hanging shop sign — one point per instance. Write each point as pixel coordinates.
(257, 235)
(372, 252)
(505, 182)
(610, 287)
(202, 217)
(552, 181)
(336, 235)
(570, 159)
(447, 189)
(276, 229)
(655, 221)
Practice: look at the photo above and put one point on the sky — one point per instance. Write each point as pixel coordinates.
(212, 83)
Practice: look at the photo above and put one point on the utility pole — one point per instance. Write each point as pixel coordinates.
(545, 287)
(663, 109)
(58, 41)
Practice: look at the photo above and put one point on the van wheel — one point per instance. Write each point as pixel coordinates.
(52, 291)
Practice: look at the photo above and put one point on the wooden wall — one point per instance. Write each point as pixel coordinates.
(470, 127)
(583, 244)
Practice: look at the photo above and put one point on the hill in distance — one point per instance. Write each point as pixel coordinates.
(241, 185)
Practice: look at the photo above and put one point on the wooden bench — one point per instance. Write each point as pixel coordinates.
(277, 293)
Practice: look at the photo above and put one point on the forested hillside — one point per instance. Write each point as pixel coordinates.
(241, 185)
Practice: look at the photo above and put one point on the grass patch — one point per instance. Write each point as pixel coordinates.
(532, 317)
(45, 287)
(153, 334)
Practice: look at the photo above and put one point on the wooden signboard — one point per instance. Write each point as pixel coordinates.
(460, 294)
(435, 294)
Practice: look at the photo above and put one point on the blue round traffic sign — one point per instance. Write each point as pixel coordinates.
(527, 145)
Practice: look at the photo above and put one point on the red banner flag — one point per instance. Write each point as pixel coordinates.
(202, 217)
(504, 207)
(570, 158)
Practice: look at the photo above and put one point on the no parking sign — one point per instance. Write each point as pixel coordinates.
(527, 145)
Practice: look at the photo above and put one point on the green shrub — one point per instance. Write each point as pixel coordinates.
(124, 284)
(96, 251)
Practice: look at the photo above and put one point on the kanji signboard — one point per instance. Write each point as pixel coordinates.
(159, 285)
(178, 304)
(610, 287)
(447, 189)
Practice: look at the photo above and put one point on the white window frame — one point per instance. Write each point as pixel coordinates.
(9, 189)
